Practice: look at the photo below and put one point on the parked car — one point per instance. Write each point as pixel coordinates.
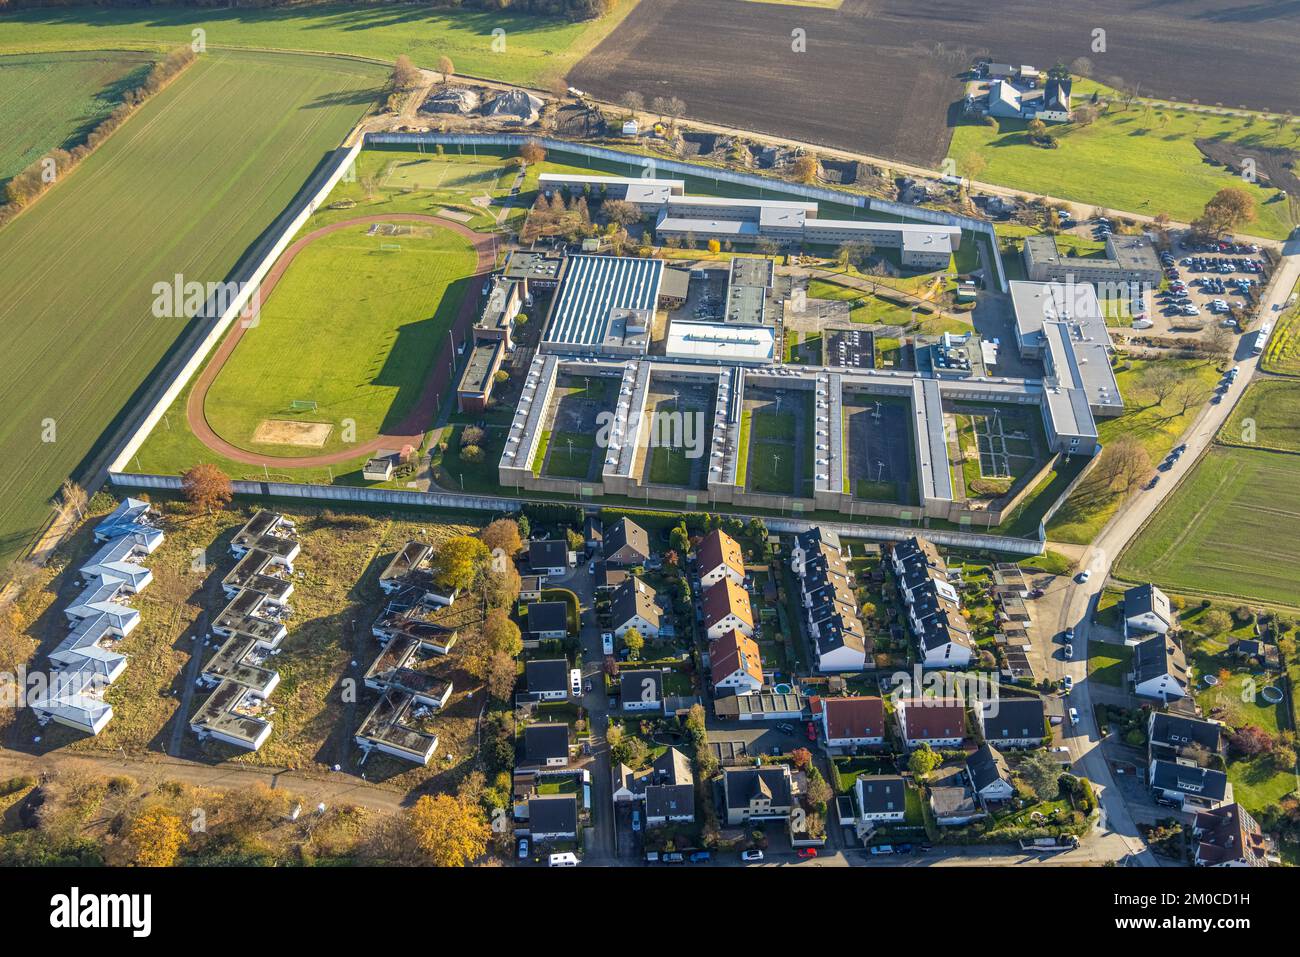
(699, 857)
(1069, 651)
(750, 856)
(881, 849)
(523, 848)
(607, 642)
(564, 860)
(636, 821)
(1067, 683)
(785, 728)
(1083, 576)
(812, 731)
(807, 852)
(1074, 716)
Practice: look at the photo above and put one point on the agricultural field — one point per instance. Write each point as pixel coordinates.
(1228, 530)
(1267, 417)
(184, 187)
(52, 100)
(538, 50)
(1142, 159)
(705, 53)
(1283, 353)
(352, 327)
(1154, 421)
(335, 599)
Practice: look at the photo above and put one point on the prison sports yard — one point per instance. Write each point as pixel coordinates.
(184, 187)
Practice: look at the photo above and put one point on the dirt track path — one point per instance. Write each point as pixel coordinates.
(412, 428)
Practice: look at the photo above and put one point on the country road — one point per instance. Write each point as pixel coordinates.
(1077, 610)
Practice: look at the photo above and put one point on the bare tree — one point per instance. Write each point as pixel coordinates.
(446, 68)
(632, 101)
(73, 499)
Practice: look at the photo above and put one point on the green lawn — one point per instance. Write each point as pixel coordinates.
(669, 466)
(1156, 424)
(363, 327)
(1109, 663)
(1268, 416)
(1236, 701)
(1228, 530)
(570, 454)
(185, 186)
(537, 49)
(1143, 160)
(52, 100)
(1258, 785)
(771, 453)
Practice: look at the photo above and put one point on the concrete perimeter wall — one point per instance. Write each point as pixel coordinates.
(651, 166)
(168, 388)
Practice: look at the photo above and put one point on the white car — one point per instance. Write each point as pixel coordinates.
(750, 856)
(1068, 683)
(607, 642)
(1069, 651)
(1074, 716)
(1083, 576)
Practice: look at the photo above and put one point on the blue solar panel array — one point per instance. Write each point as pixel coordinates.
(595, 285)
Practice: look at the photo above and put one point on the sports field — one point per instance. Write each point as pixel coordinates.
(51, 100)
(537, 49)
(461, 174)
(570, 455)
(352, 328)
(185, 186)
(1230, 529)
(1142, 159)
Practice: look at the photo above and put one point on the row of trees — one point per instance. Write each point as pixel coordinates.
(27, 186)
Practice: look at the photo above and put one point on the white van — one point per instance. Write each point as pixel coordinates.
(575, 682)
(607, 642)
(563, 860)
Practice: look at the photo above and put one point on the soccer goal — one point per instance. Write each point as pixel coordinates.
(390, 247)
(302, 405)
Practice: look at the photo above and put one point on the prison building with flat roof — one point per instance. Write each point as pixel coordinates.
(605, 306)
(474, 391)
(1128, 259)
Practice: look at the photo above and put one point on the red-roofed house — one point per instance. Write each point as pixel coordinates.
(726, 608)
(850, 722)
(938, 722)
(735, 663)
(719, 556)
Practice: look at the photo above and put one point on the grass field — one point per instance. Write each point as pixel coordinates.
(669, 466)
(1109, 663)
(1229, 530)
(185, 186)
(570, 455)
(537, 49)
(1268, 417)
(52, 100)
(1142, 159)
(1156, 424)
(362, 326)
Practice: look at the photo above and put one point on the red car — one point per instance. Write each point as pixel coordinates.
(812, 731)
(807, 852)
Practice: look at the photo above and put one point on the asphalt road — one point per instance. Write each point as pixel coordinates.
(1084, 740)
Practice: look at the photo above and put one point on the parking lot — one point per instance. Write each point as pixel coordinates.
(1208, 281)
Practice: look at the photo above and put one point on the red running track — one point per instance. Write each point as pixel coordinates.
(411, 430)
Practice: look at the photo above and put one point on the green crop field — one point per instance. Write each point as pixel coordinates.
(1229, 529)
(1267, 417)
(1142, 159)
(51, 100)
(351, 327)
(184, 187)
(537, 49)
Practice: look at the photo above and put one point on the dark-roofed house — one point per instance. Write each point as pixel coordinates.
(626, 544)
(1012, 722)
(547, 620)
(1187, 786)
(1160, 669)
(1229, 837)
(642, 690)
(606, 577)
(1147, 612)
(550, 559)
(547, 679)
(552, 817)
(547, 745)
(1173, 736)
(853, 722)
(881, 797)
(633, 605)
(758, 794)
(670, 789)
(989, 774)
(940, 723)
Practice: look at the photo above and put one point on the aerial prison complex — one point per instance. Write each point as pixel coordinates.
(647, 339)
